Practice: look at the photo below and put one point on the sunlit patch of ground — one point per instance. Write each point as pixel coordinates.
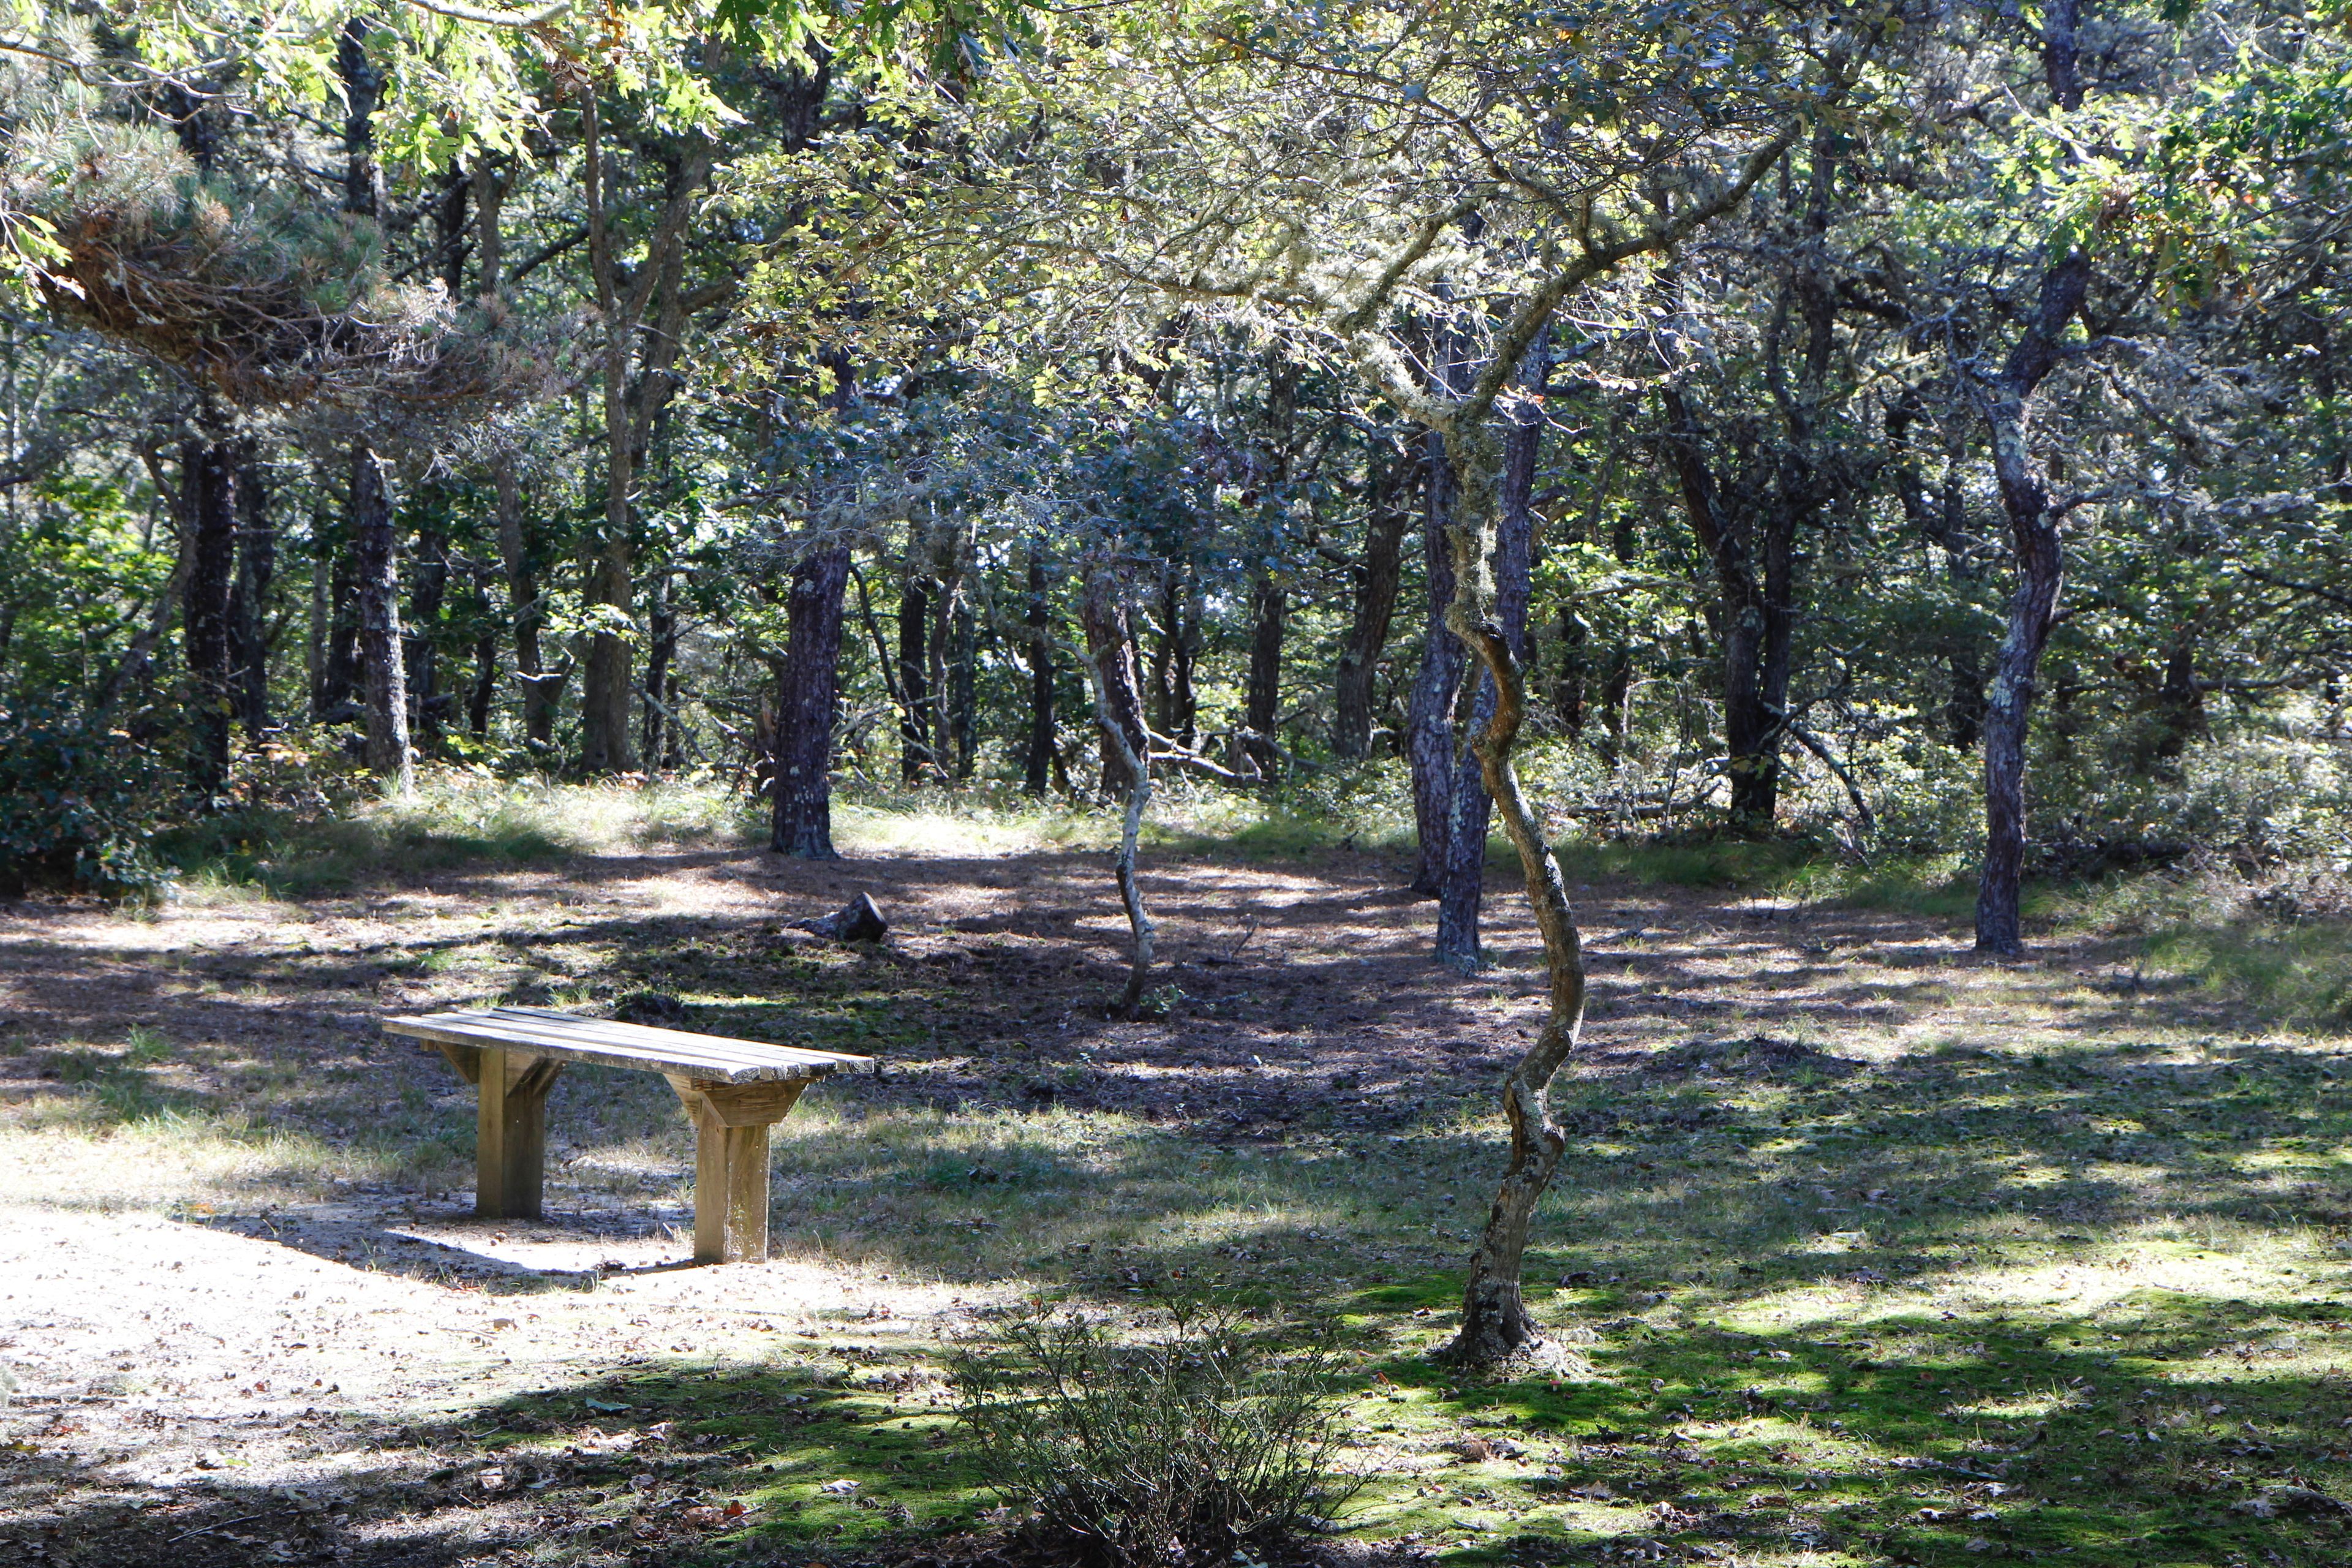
(1875, 1252)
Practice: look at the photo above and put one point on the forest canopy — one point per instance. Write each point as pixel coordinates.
(1911, 428)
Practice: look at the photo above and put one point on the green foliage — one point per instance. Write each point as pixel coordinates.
(78, 804)
(1186, 1447)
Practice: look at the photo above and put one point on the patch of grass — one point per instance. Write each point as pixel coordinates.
(2297, 973)
(458, 818)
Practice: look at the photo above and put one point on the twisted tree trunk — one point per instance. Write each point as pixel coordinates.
(915, 750)
(2033, 606)
(2006, 406)
(1119, 713)
(1497, 1328)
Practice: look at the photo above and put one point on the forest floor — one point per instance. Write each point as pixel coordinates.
(1872, 1251)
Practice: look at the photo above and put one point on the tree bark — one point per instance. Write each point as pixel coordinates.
(257, 568)
(485, 690)
(652, 315)
(808, 694)
(1040, 623)
(428, 592)
(322, 606)
(915, 754)
(1378, 573)
(208, 475)
(2179, 701)
(1497, 1328)
(339, 688)
(963, 695)
(384, 681)
(2006, 407)
(2033, 605)
(1118, 714)
(661, 651)
(1750, 538)
(1513, 567)
(1261, 704)
(1429, 741)
(1111, 652)
(542, 693)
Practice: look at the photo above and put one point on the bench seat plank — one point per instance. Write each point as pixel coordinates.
(607, 1044)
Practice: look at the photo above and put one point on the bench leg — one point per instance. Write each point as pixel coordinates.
(510, 1134)
(731, 1193)
(730, 1164)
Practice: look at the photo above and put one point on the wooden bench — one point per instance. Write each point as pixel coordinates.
(734, 1090)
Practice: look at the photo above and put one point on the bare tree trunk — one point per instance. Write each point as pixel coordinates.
(1497, 1328)
(2032, 607)
(428, 590)
(1103, 616)
(1040, 623)
(257, 568)
(314, 644)
(807, 696)
(384, 681)
(542, 693)
(1184, 656)
(1118, 714)
(2179, 701)
(1261, 703)
(652, 314)
(605, 685)
(915, 752)
(1734, 531)
(486, 658)
(963, 697)
(661, 649)
(1465, 863)
(338, 698)
(208, 475)
(1568, 685)
(1378, 574)
(2007, 406)
(1429, 741)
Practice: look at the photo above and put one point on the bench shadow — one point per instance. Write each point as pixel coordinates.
(414, 1245)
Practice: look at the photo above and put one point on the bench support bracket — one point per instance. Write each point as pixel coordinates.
(730, 1163)
(509, 1127)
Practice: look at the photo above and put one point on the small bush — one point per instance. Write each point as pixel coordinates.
(1185, 1448)
(78, 806)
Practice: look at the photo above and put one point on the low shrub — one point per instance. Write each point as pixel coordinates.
(1186, 1447)
(78, 804)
